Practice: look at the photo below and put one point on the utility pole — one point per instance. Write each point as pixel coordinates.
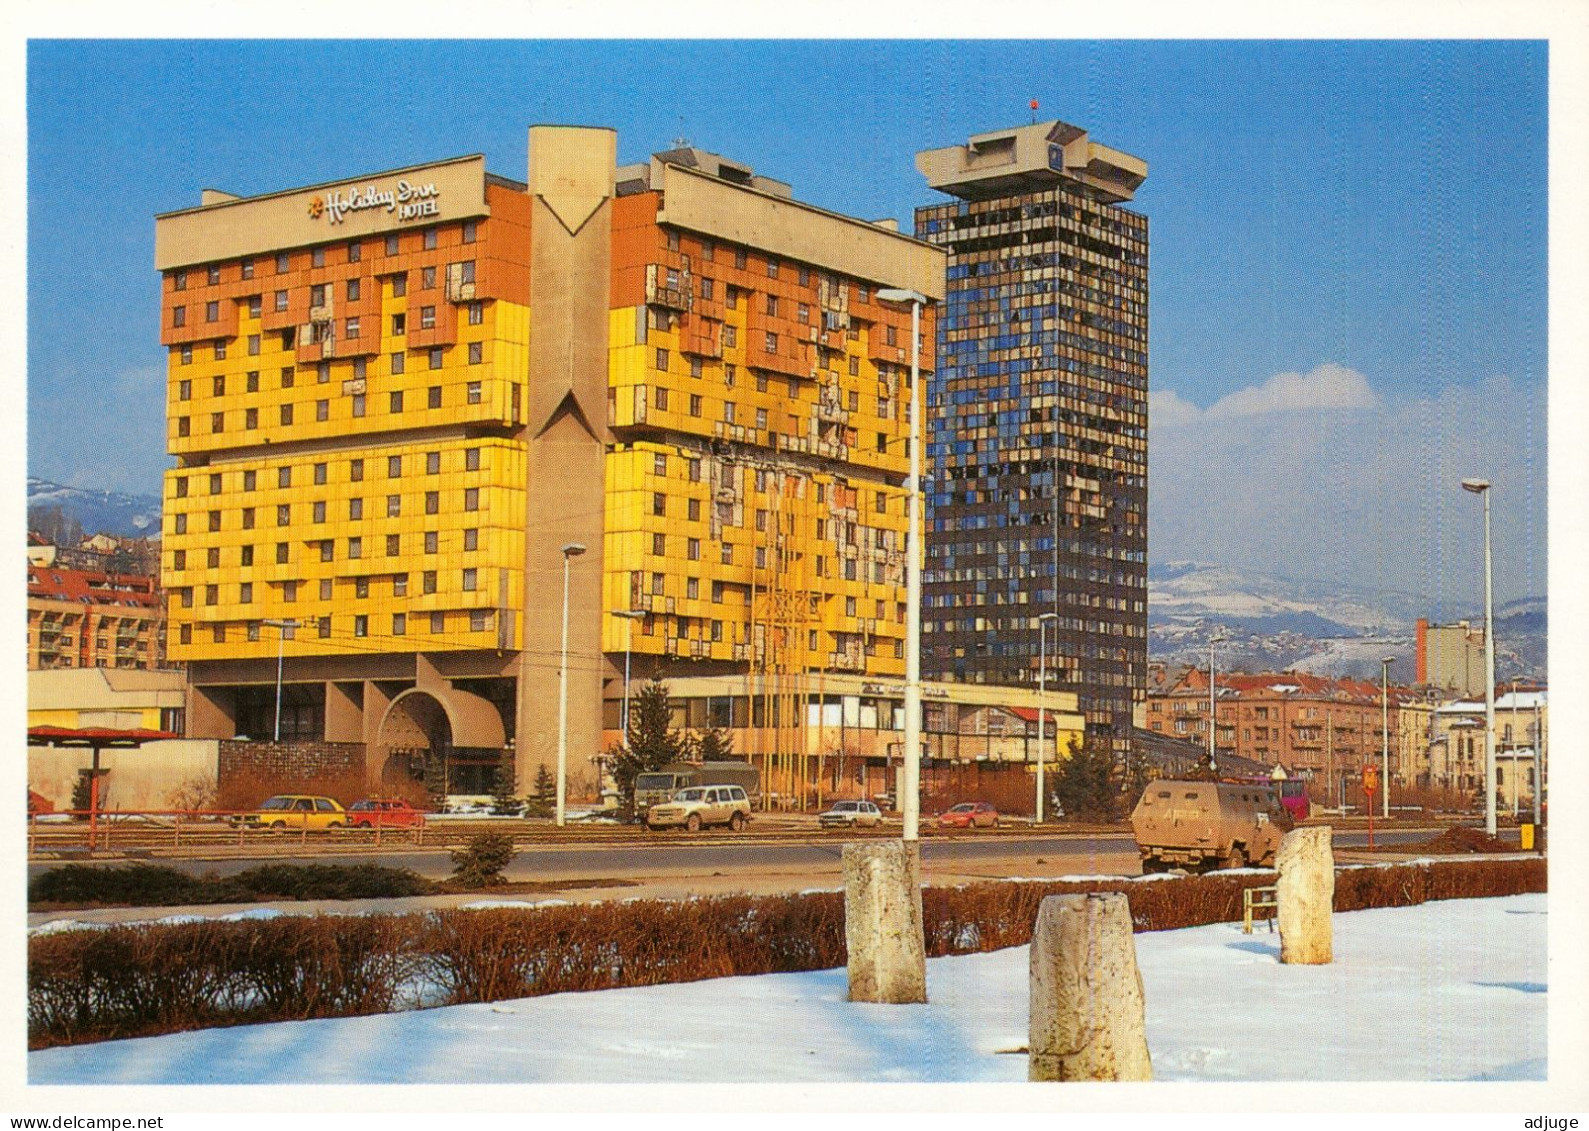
(281, 627)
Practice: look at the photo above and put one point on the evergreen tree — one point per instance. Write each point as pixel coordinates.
(543, 795)
(653, 741)
(504, 786)
(1084, 788)
(714, 745)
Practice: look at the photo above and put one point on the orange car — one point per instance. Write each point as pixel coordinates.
(970, 815)
(385, 813)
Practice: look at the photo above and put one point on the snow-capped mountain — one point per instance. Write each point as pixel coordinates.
(98, 512)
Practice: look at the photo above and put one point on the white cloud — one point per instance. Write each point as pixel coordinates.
(1370, 496)
(1328, 386)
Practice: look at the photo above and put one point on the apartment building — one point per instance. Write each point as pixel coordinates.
(415, 412)
(1038, 418)
(90, 619)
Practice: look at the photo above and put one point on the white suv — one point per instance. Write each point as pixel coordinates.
(702, 805)
(851, 814)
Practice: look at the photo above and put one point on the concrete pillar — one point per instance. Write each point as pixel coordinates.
(1086, 1018)
(882, 923)
(1306, 894)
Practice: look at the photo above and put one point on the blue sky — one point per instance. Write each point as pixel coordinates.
(1367, 217)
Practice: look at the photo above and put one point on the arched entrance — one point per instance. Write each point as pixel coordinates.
(450, 739)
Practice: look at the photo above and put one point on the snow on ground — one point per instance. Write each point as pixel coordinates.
(1454, 990)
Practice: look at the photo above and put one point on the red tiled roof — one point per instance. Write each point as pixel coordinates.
(92, 588)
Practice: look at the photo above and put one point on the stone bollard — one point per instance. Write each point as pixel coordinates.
(1306, 895)
(1087, 1010)
(882, 923)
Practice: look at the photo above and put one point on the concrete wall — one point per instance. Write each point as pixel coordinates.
(138, 779)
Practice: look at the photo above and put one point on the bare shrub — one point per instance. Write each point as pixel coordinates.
(194, 795)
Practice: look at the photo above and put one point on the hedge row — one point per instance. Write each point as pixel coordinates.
(139, 980)
(148, 885)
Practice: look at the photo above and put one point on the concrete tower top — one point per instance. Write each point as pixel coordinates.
(1030, 158)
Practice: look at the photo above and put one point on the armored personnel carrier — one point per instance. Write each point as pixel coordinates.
(1203, 825)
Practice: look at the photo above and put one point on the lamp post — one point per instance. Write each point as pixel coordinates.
(570, 552)
(281, 627)
(1042, 688)
(911, 809)
(1481, 487)
(1384, 727)
(1212, 640)
(630, 616)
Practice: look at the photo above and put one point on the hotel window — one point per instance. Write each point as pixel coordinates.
(717, 592)
(433, 396)
(708, 250)
(355, 252)
(659, 545)
(432, 463)
(399, 325)
(469, 230)
(399, 286)
(179, 316)
(430, 239)
(317, 257)
(432, 502)
(672, 238)
(438, 623)
(355, 547)
(322, 410)
(427, 318)
(355, 510)
(352, 328)
(394, 467)
(248, 519)
(253, 308)
(471, 539)
(472, 392)
(396, 399)
(427, 278)
(251, 382)
(693, 510)
(361, 625)
(353, 290)
(327, 550)
(772, 342)
(358, 404)
(393, 544)
(761, 418)
(662, 400)
(471, 498)
(185, 355)
(708, 289)
(182, 487)
(662, 361)
(179, 281)
(657, 584)
(184, 390)
(281, 553)
(245, 591)
(435, 358)
(477, 313)
(284, 514)
(394, 506)
(391, 245)
(479, 620)
(217, 422)
(772, 268)
(740, 258)
(761, 382)
(730, 341)
(319, 511)
(399, 363)
(325, 589)
(772, 306)
(281, 263)
(400, 585)
(281, 301)
(659, 464)
(471, 459)
(288, 336)
(187, 597)
(470, 576)
(466, 270)
(323, 626)
(286, 414)
(864, 292)
(692, 549)
(322, 373)
(250, 418)
(803, 312)
(427, 584)
(729, 409)
(218, 633)
(179, 559)
(399, 624)
(356, 471)
(219, 384)
(659, 503)
(211, 594)
(212, 558)
(214, 275)
(476, 353)
(695, 405)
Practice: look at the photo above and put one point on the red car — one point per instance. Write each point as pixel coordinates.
(970, 815)
(385, 813)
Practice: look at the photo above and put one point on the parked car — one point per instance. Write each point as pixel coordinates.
(702, 805)
(970, 815)
(385, 813)
(851, 814)
(295, 811)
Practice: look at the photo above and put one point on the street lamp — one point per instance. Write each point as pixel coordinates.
(1217, 638)
(1384, 726)
(570, 552)
(281, 627)
(629, 615)
(1481, 487)
(1042, 687)
(911, 810)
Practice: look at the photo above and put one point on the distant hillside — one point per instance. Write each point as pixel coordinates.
(1277, 623)
(98, 512)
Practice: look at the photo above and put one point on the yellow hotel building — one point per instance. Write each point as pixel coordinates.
(396, 401)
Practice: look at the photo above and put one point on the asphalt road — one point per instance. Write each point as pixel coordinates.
(818, 857)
